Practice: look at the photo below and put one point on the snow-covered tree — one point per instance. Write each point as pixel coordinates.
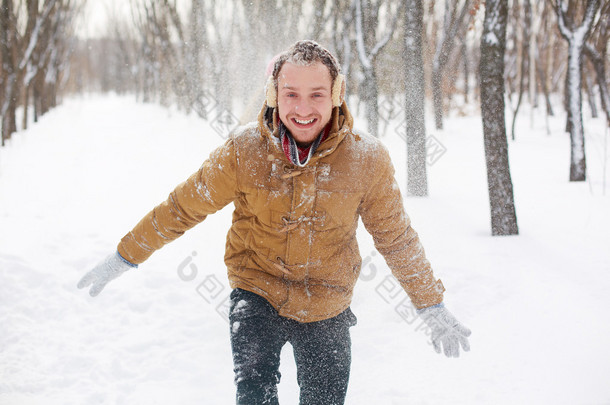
(526, 60)
(342, 18)
(453, 21)
(8, 95)
(34, 38)
(575, 35)
(596, 49)
(499, 183)
(417, 182)
(368, 46)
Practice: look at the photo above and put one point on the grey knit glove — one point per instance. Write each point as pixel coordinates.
(109, 269)
(446, 330)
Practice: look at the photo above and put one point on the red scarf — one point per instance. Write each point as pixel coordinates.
(292, 150)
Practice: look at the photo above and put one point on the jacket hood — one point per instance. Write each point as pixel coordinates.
(341, 121)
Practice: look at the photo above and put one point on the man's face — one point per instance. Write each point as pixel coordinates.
(304, 100)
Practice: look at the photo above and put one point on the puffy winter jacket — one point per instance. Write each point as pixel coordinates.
(293, 236)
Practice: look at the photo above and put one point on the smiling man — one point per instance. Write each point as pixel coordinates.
(304, 100)
(300, 178)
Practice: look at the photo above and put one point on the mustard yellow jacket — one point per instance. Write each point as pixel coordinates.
(293, 236)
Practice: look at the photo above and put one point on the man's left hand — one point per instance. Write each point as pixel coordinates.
(446, 330)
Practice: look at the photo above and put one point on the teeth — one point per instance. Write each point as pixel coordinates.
(304, 122)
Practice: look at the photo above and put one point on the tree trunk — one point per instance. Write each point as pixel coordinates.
(9, 107)
(578, 165)
(37, 95)
(525, 60)
(437, 96)
(451, 25)
(576, 38)
(9, 71)
(366, 17)
(532, 57)
(545, 90)
(417, 183)
(26, 104)
(499, 183)
(319, 20)
(589, 90)
(194, 68)
(466, 66)
(600, 70)
(370, 98)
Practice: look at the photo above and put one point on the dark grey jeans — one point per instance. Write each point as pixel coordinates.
(322, 352)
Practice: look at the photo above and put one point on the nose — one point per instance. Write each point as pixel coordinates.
(303, 107)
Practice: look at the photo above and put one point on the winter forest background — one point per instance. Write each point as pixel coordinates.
(203, 55)
(471, 97)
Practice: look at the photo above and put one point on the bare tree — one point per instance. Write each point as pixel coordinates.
(576, 36)
(499, 183)
(525, 59)
(319, 20)
(221, 48)
(57, 40)
(9, 71)
(367, 20)
(596, 52)
(417, 182)
(454, 19)
(544, 52)
(194, 62)
(26, 48)
(160, 68)
(342, 16)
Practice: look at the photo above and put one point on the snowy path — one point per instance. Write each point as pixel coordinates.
(76, 182)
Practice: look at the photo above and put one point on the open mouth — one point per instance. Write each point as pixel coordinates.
(304, 122)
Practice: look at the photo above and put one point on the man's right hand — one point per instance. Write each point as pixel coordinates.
(109, 269)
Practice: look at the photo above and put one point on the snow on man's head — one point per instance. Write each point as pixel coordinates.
(306, 53)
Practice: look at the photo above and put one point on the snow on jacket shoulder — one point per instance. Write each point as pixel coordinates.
(293, 236)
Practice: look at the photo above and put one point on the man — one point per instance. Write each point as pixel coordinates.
(300, 178)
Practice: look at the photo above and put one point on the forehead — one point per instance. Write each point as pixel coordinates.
(313, 75)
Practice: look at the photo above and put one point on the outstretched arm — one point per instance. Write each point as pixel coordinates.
(383, 215)
(208, 190)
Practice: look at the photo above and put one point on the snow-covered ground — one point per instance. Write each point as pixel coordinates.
(73, 184)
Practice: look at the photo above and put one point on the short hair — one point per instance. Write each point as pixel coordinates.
(306, 53)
